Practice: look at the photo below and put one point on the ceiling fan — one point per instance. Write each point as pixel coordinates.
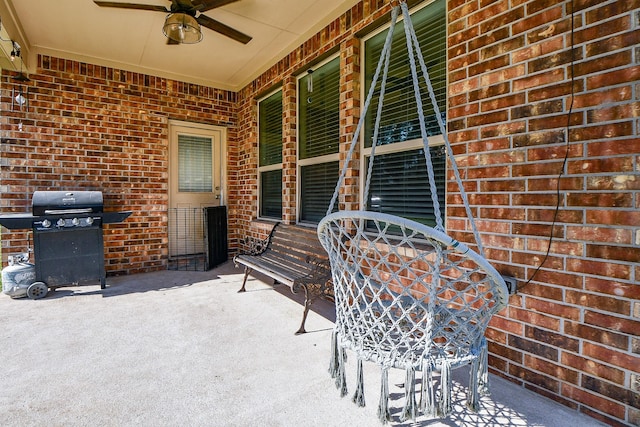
(184, 18)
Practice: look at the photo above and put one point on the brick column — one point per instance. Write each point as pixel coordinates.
(243, 173)
(349, 116)
(289, 149)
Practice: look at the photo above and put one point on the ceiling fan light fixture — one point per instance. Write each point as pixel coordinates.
(182, 28)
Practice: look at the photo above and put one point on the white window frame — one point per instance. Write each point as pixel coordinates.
(268, 168)
(300, 163)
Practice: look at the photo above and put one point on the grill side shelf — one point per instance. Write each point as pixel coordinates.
(114, 217)
(21, 221)
(16, 221)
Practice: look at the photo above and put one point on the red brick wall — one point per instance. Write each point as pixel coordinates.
(569, 333)
(96, 128)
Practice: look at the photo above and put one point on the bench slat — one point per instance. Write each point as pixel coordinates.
(289, 270)
(297, 241)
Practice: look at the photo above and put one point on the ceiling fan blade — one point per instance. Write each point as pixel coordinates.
(204, 5)
(223, 29)
(151, 7)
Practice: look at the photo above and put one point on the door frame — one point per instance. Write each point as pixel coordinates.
(173, 124)
(176, 240)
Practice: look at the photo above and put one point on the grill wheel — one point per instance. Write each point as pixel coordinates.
(37, 290)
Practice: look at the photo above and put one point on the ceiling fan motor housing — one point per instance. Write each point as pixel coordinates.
(182, 28)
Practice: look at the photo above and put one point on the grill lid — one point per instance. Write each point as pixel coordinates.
(66, 202)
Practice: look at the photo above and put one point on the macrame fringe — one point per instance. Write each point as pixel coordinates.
(479, 378)
(341, 377)
(358, 396)
(410, 410)
(333, 363)
(473, 398)
(383, 407)
(483, 378)
(337, 362)
(427, 393)
(445, 389)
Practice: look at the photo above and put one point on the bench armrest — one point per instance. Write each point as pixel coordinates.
(253, 246)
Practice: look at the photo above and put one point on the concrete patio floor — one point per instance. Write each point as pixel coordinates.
(176, 348)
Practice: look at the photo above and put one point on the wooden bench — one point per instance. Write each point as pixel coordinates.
(291, 255)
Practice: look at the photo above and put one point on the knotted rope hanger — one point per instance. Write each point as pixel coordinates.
(413, 50)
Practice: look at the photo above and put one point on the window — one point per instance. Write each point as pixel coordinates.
(399, 181)
(400, 185)
(270, 155)
(195, 164)
(319, 139)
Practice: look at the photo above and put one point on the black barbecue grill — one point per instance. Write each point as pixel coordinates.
(67, 235)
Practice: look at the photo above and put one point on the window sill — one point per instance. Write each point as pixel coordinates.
(264, 223)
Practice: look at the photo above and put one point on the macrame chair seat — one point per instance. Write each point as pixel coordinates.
(407, 295)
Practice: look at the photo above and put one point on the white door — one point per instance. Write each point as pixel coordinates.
(195, 182)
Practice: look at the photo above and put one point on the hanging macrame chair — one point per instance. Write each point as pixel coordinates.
(407, 295)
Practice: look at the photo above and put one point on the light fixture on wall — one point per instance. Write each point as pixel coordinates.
(182, 28)
(15, 52)
(20, 98)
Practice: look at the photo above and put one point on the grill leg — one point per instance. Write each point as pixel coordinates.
(103, 283)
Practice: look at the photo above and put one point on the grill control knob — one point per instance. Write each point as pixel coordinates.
(75, 221)
(46, 223)
(89, 220)
(60, 222)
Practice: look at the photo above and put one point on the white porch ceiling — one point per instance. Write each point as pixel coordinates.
(133, 40)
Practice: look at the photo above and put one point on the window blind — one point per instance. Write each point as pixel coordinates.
(270, 129)
(319, 107)
(271, 194)
(318, 182)
(399, 120)
(195, 164)
(400, 184)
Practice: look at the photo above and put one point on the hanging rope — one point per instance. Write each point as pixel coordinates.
(411, 35)
(356, 136)
(408, 29)
(413, 49)
(383, 86)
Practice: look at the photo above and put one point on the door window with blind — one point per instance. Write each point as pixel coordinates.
(399, 180)
(195, 164)
(319, 138)
(270, 155)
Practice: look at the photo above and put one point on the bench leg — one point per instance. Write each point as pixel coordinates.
(307, 305)
(311, 293)
(247, 270)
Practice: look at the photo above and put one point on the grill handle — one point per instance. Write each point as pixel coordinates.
(67, 211)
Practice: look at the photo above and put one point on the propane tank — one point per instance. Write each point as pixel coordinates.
(17, 277)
